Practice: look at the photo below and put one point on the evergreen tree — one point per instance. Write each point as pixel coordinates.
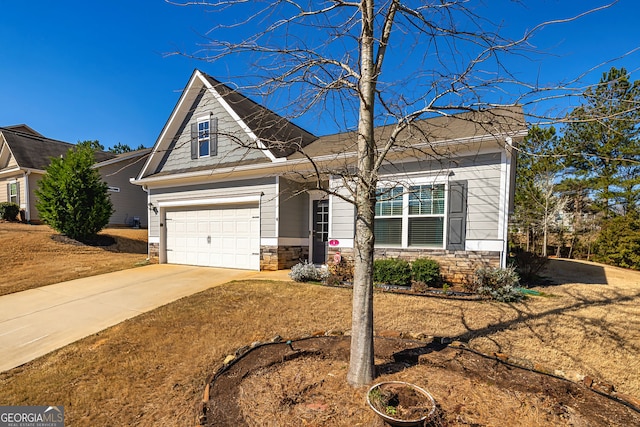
(603, 145)
(72, 198)
(121, 148)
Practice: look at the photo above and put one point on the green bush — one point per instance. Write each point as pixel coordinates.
(9, 211)
(498, 283)
(426, 270)
(72, 197)
(393, 271)
(619, 242)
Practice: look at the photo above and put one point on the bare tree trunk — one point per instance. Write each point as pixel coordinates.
(361, 362)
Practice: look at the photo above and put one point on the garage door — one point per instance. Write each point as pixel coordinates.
(214, 237)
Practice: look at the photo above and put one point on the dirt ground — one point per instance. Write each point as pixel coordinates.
(35, 255)
(304, 384)
(474, 381)
(153, 369)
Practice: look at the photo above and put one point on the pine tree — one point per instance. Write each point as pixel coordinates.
(603, 145)
(72, 198)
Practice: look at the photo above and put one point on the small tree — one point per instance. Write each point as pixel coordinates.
(72, 198)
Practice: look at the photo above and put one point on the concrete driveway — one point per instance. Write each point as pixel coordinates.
(37, 321)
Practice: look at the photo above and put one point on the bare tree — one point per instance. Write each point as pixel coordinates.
(369, 63)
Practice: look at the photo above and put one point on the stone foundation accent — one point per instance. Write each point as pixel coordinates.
(456, 267)
(281, 257)
(154, 250)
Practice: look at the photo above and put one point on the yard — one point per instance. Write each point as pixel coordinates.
(152, 370)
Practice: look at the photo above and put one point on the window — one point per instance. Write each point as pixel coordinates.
(412, 216)
(388, 226)
(203, 139)
(13, 193)
(426, 215)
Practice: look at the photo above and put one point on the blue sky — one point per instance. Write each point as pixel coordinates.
(80, 70)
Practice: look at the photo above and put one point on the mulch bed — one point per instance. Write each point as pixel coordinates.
(303, 382)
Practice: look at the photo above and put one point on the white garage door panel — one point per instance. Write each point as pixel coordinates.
(215, 237)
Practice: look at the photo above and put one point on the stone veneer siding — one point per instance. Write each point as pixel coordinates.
(282, 257)
(456, 267)
(154, 250)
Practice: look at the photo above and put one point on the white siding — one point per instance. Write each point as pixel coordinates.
(266, 187)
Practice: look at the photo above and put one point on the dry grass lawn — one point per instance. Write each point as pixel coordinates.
(31, 257)
(151, 370)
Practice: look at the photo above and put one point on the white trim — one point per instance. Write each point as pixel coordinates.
(204, 119)
(154, 239)
(207, 201)
(268, 241)
(484, 245)
(503, 204)
(277, 207)
(343, 243)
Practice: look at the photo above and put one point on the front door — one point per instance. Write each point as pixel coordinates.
(320, 232)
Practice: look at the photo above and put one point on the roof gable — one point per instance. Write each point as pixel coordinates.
(252, 133)
(31, 150)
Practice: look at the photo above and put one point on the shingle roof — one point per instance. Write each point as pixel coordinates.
(281, 136)
(33, 151)
(501, 121)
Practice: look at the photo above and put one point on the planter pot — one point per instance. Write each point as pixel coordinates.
(401, 404)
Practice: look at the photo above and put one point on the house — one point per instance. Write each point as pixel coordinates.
(129, 200)
(230, 184)
(25, 154)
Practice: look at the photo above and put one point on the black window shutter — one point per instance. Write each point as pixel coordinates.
(194, 140)
(213, 137)
(457, 216)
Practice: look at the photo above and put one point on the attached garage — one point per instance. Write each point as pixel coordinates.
(214, 236)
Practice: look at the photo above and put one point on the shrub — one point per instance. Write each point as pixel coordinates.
(339, 273)
(426, 270)
(72, 197)
(9, 211)
(619, 241)
(528, 264)
(393, 271)
(306, 271)
(498, 283)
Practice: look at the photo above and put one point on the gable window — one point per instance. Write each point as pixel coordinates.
(204, 138)
(411, 216)
(12, 190)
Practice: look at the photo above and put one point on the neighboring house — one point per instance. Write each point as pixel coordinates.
(129, 200)
(25, 154)
(229, 186)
